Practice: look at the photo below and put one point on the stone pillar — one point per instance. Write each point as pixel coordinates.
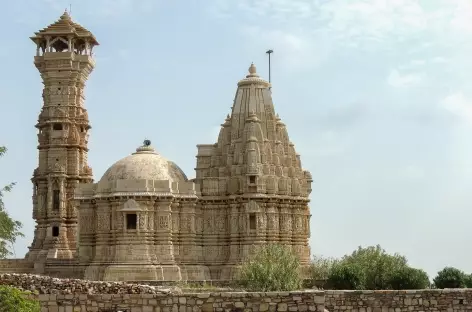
(163, 226)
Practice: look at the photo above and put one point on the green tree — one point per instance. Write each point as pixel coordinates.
(345, 276)
(14, 300)
(272, 268)
(9, 228)
(376, 264)
(321, 267)
(468, 281)
(450, 277)
(408, 278)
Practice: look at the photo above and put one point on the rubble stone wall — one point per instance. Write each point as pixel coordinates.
(73, 295)
(448, 300)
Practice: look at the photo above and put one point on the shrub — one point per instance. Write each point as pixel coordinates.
(14, 300)
(376, 264)
(468, 281)
(345, 276)
(271, 268)
(450, 277)
(321, 267)
(408, 278)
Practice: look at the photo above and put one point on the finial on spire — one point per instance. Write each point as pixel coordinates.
(65, 15)
(147, 142)
(252, 69)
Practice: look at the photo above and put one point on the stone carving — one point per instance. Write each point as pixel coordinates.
(163, 222)
(144, 211)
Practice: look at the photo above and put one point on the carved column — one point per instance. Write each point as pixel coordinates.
(163, 225)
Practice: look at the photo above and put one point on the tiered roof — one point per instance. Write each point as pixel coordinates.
(65, 26)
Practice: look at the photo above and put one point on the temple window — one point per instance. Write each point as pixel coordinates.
(252, 179)
(252, 221)
(131, 221)
(55, 200)
(55, 231)
(57, 126)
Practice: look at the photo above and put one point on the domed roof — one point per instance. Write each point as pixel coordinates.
(144, 164)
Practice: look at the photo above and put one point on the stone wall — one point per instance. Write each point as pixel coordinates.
(449, 300)
(73, 295)
(205, 302)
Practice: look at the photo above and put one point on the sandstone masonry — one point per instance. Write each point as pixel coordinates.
(73, 295)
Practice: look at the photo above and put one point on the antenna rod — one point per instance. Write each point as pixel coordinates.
(269, 52)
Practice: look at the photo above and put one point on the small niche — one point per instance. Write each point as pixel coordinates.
(252, 221)
(55, 231)
(55, 200)
(131, 221)
(252, 179)
(57, 126)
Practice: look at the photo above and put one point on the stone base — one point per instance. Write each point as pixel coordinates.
(229, 272)
(195, 273)
(133, 272)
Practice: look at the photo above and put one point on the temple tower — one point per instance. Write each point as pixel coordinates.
(253, 188)
(64, 60)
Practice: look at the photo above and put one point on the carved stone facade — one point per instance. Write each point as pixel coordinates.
(144, 220)
(253, 188)
(139, 222)
(64, 59)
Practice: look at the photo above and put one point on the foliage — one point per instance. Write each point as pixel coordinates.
(321, 267)
(9, 228)
(345, 276)
(14, 300)
(468, 281)
(370, 268)
(376, 264)
(272, 268)
(408, 278)
(450, 277)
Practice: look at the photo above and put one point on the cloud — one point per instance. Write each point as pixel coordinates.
(459, 105)
(292, 50)
(104, 8)
(397, 26)
(398, 80)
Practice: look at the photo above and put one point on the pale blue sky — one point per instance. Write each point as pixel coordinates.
(376, 95)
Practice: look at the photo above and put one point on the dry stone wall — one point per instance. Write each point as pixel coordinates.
(73, 295)
(449, 300)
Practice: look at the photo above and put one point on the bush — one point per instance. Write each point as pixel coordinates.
(321, 267)
(14, 300)
(345, 276)
(272, 268)
(408, 278)
(376, 264)
(468, 281)
(450, 277)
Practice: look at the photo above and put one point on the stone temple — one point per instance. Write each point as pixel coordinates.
(144, 219)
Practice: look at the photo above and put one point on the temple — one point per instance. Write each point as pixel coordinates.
(144, 219)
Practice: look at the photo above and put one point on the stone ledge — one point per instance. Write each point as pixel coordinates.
(49, 285)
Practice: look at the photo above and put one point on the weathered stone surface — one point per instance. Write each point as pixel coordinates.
(144, 220)
(49, 285)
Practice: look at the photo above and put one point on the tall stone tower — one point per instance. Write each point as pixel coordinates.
(64, 59)
(253, 188)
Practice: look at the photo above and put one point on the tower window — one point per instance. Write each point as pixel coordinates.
(55, 231)
(57, 126)
(252, 179)
(131, 221)
(252, 221)
(55, 200)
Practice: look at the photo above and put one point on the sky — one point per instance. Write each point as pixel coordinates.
(376, 96)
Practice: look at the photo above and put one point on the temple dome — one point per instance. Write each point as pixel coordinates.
(144, 164)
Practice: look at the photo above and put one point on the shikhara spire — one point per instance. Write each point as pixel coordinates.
(253, 177)
(253, 153)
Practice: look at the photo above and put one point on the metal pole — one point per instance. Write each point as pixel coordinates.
(269, 52)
